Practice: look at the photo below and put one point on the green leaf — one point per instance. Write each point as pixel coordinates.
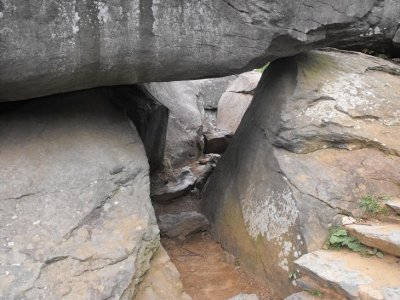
(335, 240)
(379, 254)
(341, 232)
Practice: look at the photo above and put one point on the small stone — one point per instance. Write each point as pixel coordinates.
(204, 160)
(174, 189)
(341, 220)
(245, 297)
(182, 224)
(216, 142)
(348, 220)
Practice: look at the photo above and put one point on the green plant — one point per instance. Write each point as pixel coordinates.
(375, 53)
(374, 205)
(315, 293)
(262, 69)
(383, 56)
(340, 238)
(237, 262)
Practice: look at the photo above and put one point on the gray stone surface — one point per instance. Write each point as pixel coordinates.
(76, 221)
(385, 237)
(203, 171)
(321, 133)
(352, 275)
(192, 106)
(210, 91)
(184, 133)
(217, 141)
(148, 115)
(57, 46)
(175, 187)
(245, 82)
(235, 101)
(180, 225)
(301, 296)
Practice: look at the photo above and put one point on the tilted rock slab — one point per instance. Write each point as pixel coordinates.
(76, 221)
(351, 275)
(321, 132)
(48, 47)
(394, 204)
(235, 101)
(385, 237)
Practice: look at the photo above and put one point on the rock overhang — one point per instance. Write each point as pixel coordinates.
(55, 47)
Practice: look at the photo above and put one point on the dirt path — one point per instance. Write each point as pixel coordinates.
(205, 272)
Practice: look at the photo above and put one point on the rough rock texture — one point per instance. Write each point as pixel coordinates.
(184, 133)
(192, 105)
(81, 44)
(385, 237)
(180, 225)
(76, 220)
(210, 91)
(149, 117)
(235, 101)
(178, 186)
(394, 204)
(321, 132)
(351, 275)
(216, 142)
(162, 280)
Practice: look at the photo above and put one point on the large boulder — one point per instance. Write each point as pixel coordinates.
(184, 133)
(76, 221)
(48, 47)
(192, 106)
(235, 101)
(321, 133)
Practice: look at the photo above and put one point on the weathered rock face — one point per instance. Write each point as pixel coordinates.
(175, 187)
(149, 117)
(192, 106)
(184, 131)
(235, 101)
(76, 220)
(77, 45)
(180, 225)
(320, 133)
(162, 281)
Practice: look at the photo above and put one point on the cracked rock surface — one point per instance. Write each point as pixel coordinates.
(192, 105)
(76, 220)
(321, 132)
(81, 44)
